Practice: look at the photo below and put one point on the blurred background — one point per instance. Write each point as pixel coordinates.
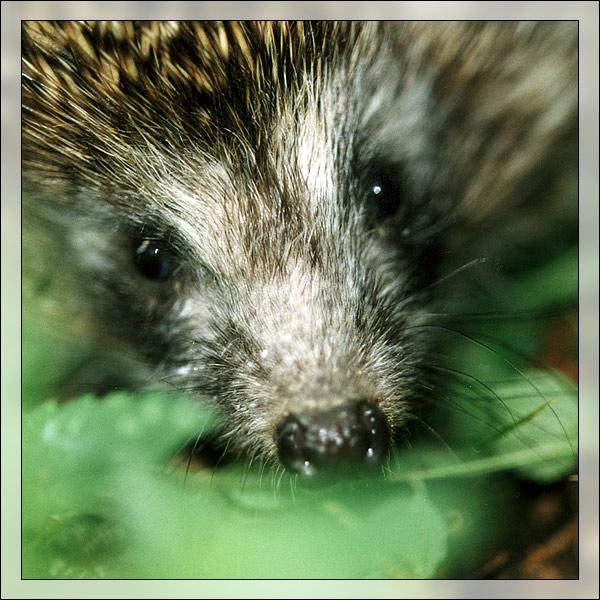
(585, 12)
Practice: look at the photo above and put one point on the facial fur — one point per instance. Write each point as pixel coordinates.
(300, 183)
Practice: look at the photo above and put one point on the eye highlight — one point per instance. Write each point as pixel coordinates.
(384, 195)
(152, 262)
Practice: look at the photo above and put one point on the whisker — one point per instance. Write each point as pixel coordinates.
(191, 456)
(508, 315)
(482, 384)
(449, 403)
(436, 435)
(472, 263)
(506, 361)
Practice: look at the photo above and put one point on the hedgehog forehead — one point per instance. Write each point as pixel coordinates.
(233, 133)
(95, 90)
(288, 193)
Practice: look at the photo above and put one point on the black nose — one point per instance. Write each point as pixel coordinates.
(346, 440)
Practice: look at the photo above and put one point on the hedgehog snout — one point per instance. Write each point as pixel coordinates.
(348, 440)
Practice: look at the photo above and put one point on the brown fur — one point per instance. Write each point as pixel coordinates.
(252, 155)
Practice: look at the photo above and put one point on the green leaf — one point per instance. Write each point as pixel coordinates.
(74, 455)
(348, 532)
(544, 426)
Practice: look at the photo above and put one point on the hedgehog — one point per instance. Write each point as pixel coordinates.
(256, 214)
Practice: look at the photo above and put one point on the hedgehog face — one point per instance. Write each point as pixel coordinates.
(286, 283)
(257, 209)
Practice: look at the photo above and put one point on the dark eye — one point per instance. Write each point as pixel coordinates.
(152, 262)
(385, 195)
